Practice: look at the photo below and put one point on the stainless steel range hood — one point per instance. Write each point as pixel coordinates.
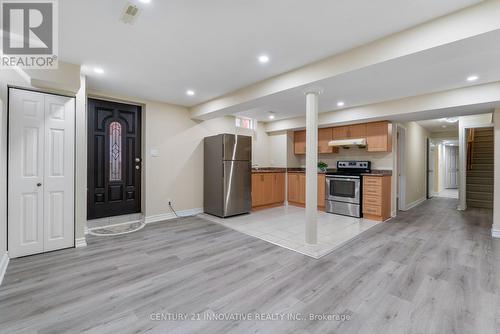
(359, 142)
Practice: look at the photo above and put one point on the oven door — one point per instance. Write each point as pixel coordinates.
(343, 189)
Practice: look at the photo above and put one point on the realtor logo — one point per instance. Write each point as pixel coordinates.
(29, 34)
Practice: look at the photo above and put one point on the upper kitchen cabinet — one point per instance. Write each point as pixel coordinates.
(349, 131)
(324, 136)
(379, 137)
(299, 142)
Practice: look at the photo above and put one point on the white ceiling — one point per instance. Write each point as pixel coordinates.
(439, 125)
(438, 69)
(211, 46)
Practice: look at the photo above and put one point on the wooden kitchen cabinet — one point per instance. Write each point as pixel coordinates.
(357, 131)
(278, 187)
(299, 142)
(268, 189)
(257, 189)
(321, 190)
(377, 197)
(324, 136)
(379, 137)
(297, 189)
(349, 131)
(293, 188)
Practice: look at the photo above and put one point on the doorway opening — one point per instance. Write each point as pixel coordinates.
(442, 165)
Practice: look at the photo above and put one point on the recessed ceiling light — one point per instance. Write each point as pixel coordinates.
(190, 92)
(451, 119)
(98, 70)
(263, 59)
(145, 1)
(472, 78)
(271, 115)
(340, 104)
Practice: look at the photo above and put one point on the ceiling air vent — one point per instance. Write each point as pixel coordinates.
(130, 13)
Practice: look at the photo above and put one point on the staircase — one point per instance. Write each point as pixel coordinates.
(480, 170)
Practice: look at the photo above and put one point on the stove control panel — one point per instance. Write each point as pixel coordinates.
(353, 164)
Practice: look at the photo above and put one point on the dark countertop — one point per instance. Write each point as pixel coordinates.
(375, 172)
(268, 170)
(379, 172)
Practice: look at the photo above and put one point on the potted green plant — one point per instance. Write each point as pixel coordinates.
(322, 166)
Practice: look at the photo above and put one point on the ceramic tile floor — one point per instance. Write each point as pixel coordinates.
(284, 226)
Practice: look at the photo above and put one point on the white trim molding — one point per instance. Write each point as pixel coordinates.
(4, 262)
(171, 215)
(414, 203)
(80, 242)
(495, 233)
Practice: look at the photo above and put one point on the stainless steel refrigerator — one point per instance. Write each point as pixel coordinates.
(227, 175)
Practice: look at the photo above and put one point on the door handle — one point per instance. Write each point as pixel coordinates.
(39, 184)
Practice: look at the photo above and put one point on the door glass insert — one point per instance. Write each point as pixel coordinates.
(115, 151)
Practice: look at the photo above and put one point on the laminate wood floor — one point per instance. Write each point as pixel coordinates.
(431, 270)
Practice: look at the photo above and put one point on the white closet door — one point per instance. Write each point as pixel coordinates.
(451, 156)
(59, 172)
(25, 182)
(41, 172)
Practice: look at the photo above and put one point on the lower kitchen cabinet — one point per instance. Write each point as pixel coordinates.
(297, 189)
(377, 197)
(268, 189)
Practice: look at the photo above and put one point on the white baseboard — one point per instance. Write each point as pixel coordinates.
(415, 203)
(81, 242)
(495, 233)
(171, 215)
(4, 262)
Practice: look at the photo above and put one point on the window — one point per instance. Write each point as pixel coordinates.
(245, 123)
(115, 151)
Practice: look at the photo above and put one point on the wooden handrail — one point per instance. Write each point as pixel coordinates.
(470, 147)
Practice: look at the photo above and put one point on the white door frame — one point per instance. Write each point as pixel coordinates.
(431, 158)
(462, 160)
(400, 169)
(9, 87)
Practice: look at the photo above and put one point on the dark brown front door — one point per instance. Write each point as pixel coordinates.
(114, 159)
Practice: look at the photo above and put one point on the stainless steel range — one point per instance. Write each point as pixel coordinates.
(343, 188)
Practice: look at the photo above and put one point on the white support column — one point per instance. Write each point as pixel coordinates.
(495, 231)
(312, 97)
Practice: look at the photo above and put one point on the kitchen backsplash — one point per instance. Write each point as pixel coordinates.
(382, 160)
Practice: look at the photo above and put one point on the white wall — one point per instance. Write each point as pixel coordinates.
(415, 163)
(380, 160)
(177, 173)
(278, 146)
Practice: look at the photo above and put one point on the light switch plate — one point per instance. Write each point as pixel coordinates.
(154, 152)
